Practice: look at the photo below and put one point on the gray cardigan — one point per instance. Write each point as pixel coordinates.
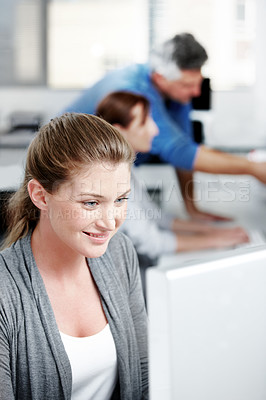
(33, 361)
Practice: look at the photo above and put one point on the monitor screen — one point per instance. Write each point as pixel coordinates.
(207, 328)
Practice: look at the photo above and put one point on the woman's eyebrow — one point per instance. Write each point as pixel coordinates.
(125, 193)
(93, 194)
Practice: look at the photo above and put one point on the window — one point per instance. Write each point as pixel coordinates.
(71, 43)
(22, 45)
(226, 29)
(87, 37)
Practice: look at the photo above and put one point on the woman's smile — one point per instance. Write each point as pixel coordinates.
(85, 214)
(98, 237)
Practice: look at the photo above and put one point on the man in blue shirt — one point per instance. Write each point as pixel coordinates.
(174, 144)
(169, 81)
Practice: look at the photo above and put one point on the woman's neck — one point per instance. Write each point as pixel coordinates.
(53, 257)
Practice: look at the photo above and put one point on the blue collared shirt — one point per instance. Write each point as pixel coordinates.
(174, 144)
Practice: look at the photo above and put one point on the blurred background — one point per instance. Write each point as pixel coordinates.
(51, 49)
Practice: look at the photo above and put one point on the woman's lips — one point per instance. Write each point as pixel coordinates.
(99, 237)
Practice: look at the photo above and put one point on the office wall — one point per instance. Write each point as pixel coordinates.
(238, 117)
(234, 118)
(46, 101)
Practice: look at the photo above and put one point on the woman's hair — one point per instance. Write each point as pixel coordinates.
(59, 150)
(116, 107)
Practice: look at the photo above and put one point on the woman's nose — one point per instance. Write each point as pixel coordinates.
(154, 131)
(106, 219)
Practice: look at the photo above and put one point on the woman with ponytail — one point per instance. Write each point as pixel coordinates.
(72, 314)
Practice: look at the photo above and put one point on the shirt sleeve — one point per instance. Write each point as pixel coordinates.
(173, 144)
(139, 315)
(90, 97)
(142, 224)
(6, 391)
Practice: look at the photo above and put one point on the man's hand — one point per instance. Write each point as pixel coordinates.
(198, 215)
(217, 239)
(258, 169)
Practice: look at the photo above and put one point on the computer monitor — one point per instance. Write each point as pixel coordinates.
(203, 101)
(207, 328)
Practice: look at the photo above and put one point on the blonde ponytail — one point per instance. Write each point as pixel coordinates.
(60, 149)
(21, 216)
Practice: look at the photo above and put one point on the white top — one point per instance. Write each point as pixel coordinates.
(146, 225)
(93, 362)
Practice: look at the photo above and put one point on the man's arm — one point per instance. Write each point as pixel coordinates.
(216, 162)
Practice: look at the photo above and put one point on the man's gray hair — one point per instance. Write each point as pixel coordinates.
(182, 52)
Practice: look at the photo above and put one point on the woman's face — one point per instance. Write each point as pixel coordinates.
(85, 213)
(140, 133)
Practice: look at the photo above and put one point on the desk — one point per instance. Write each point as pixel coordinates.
(11, 175)
(12, 156)
(12, 163)
(241, 197)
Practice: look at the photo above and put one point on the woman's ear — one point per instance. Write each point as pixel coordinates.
(37, 194)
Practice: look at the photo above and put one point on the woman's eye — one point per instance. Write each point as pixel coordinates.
(90, 203)
(122, 200)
